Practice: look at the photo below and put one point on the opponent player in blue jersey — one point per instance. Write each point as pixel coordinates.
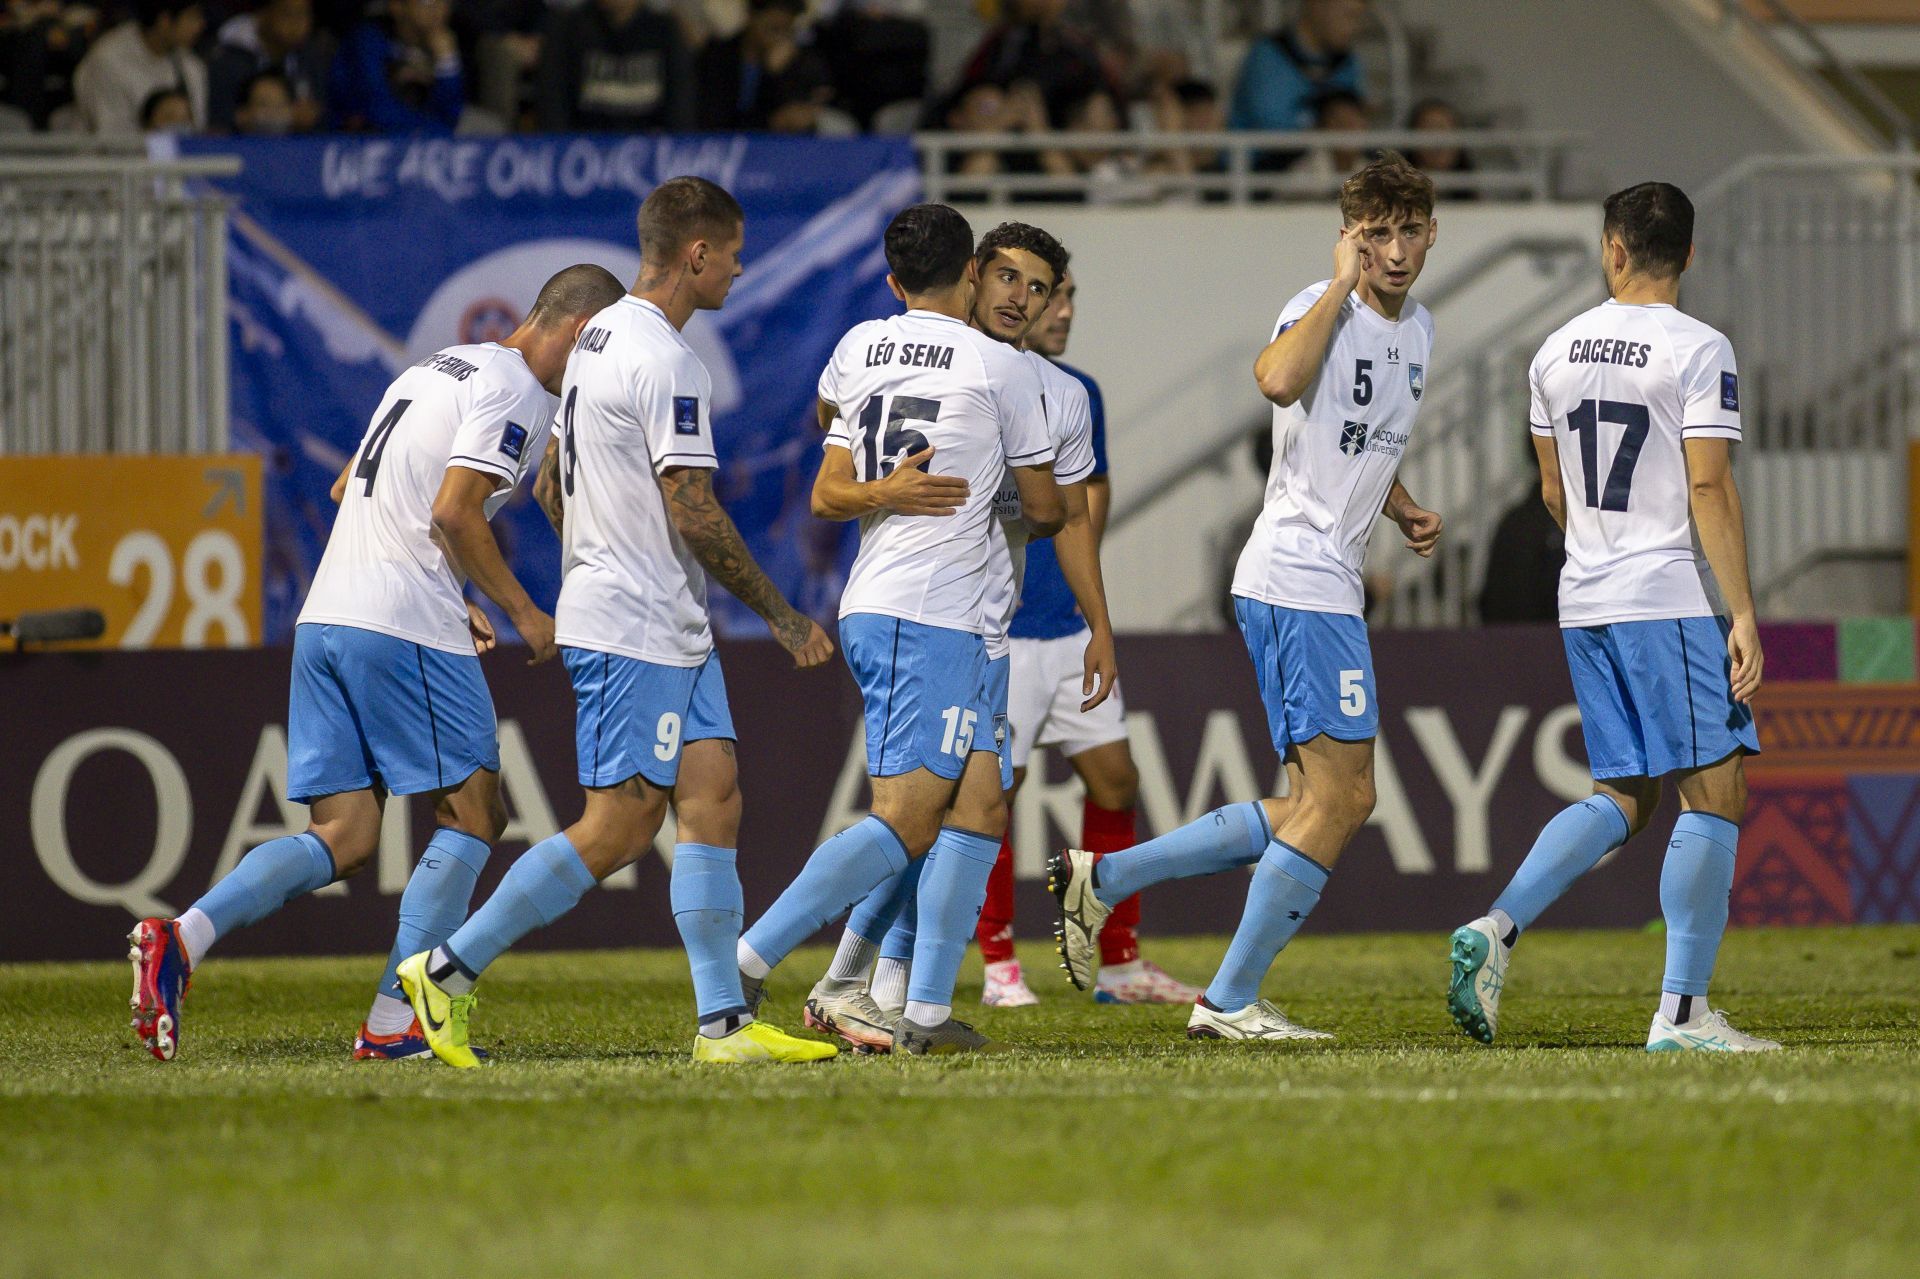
(1635, 412)
(922, 390)
(642, 529)
(1345, 370)
(387, 694)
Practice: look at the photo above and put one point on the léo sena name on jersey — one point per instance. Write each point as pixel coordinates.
(919, 355)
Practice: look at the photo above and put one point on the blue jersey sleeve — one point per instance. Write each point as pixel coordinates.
(1099, 410)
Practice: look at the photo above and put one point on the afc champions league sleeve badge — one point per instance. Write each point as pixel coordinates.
(1416, 380)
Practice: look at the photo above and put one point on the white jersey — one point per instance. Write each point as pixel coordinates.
(1070, 427)
(918, 380)
(636, 402)
(1631, 382)
(1335, 452)
(478, 407)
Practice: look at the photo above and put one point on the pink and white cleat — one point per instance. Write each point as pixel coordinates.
(1142, 982)
(1006, 987)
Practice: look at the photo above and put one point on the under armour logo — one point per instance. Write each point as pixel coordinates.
(1393, 355)
(1296, 914)
(1353, 438)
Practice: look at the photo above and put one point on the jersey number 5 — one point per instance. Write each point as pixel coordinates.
(1585, 422)
(1363, 381)
(376, 446)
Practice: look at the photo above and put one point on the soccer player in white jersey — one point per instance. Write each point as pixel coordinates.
(1635, 412)
(1345, 370)
(387, 693)
(922, 391)
(1010, 262)
(634, 464)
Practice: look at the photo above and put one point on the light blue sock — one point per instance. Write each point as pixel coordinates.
(707, 909)
(1286, 887)
(1227, 837)
(438, 895)
(548, 881)
(906, 920)
(840, 872)
(953, 888)
(266, 879)
(1695, 884)
(879, 909)
(1567, 848)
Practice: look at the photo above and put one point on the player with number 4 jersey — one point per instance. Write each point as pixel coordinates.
(1635, 410)
(1345, 370)
(387, 695)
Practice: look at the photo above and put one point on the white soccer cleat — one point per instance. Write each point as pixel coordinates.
(1709, 1032)
(1479, 975)
(1006, 987)
(1258, 1020)
(844, 1008)
(1070, 876)
(1143, 982)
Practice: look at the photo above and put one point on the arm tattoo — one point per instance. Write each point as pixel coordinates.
(715, 542)
(546, 488)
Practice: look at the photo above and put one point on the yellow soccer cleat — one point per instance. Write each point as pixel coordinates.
(757, 1041)
(443, 1017)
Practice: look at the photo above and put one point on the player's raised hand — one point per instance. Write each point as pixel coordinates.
(1101, 669)
(802, 636)
(481, 627)
(1351, 257)
(1743, 647)
(536, 628)
(1422, 528)
(912, 490)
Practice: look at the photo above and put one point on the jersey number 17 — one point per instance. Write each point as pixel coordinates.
(1585, 421)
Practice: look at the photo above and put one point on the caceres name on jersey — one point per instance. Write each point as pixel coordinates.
(920, 380)
(478, 407)
(1620, 388)
(636, 402)
(1070, 426)
(1335, 452)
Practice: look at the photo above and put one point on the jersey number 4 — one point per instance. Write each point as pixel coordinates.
(883, 452)
(1585, 422)
(376, 446)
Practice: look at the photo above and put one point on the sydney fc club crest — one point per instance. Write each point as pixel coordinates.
(1353, 438)
(1417, 379)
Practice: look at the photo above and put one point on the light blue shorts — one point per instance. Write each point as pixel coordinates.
(1656, 696)
(999, 680)
(925, 693)
(367, 709)
(633, 717)
(1315, 672)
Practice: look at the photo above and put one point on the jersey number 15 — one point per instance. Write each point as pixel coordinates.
(882, 451)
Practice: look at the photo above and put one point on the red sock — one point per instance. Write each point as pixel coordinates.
(995, 930)
(1103, 831)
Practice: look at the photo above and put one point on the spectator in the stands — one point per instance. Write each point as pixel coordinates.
(764, 77)
(1286, 72)
(1032, 44)
(152, 50)
(987, 108)
(278, 36)
(1436, 115)
(166, 111)
(877, 51)
(400, 75)
(1523, 565)
(1188, 106)
(266, 106)
(614, 65)
(41, 42)
(1337, 111)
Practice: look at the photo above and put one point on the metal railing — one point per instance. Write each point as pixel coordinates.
(113, 305)
(1781, 17)
(1232, 166)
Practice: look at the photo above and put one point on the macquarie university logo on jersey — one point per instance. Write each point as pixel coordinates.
(1416, 380)
(686, 415)
(1353, 438)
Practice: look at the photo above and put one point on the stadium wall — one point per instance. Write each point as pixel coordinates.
(137, 779)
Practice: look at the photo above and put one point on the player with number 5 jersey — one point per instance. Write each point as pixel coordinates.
(387, 694)
(1345, 369)
(1635, 411)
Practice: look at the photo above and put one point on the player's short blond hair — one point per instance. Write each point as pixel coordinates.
(1388, 187)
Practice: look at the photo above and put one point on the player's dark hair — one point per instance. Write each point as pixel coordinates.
(583, 289)
(1021, 235)
(1387, 188)
(1654, 220)
(682, 210)
(927, 247)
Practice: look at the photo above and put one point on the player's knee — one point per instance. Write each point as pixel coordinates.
(352, 845)
(917, 831)
(710, 819)
(1116, 789)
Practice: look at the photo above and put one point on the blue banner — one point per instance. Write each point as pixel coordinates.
(352, 257)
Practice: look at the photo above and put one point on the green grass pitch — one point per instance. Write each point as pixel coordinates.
(1107, 1146)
